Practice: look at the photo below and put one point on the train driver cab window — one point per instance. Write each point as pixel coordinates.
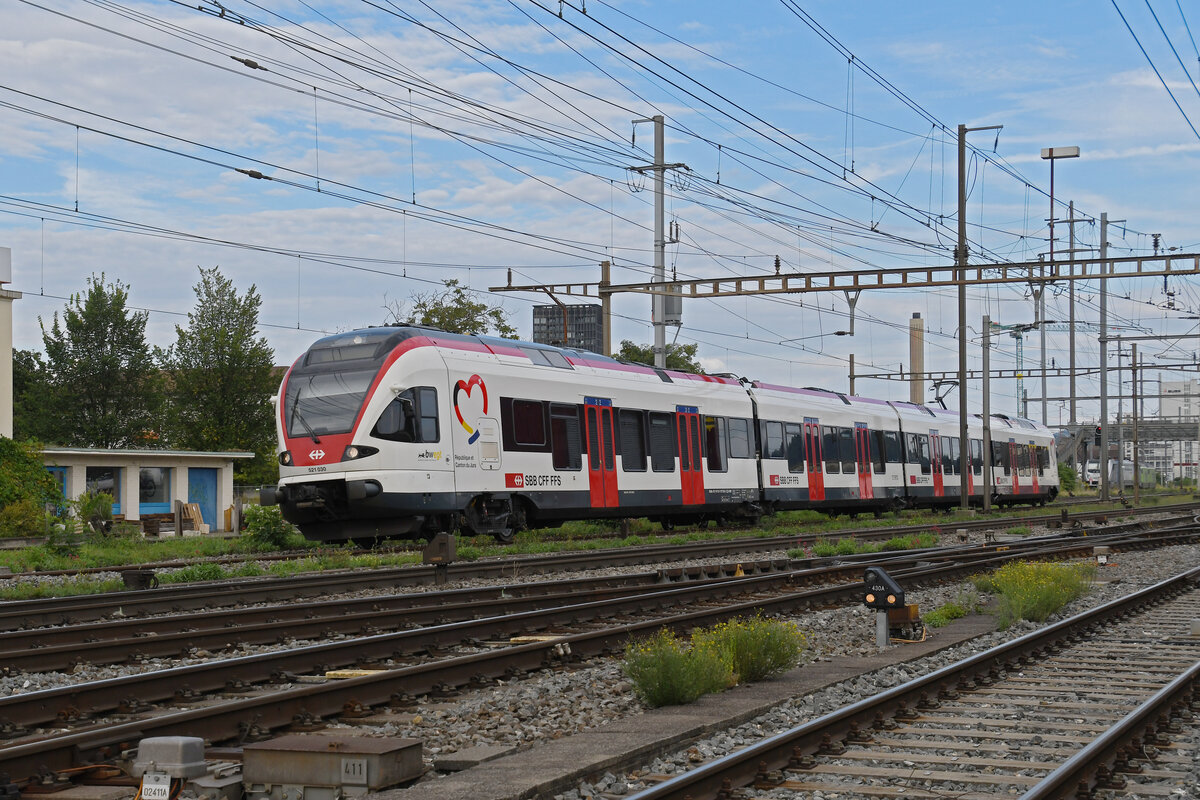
(412, 416)
(795, 447)
(714, 439)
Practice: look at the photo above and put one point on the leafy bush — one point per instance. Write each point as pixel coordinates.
(1068, 481)
(266, 528)
(95, 509)
(666, 671)
(23, 518)
(1034, 591)
(944, 615)
(24, 477)
(754, 648)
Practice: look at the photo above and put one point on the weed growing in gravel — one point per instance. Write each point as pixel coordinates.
(667, 671)
(754, 648)
(79, 586)
(848, 547)
(1034, 591)
(966, 603)
(1019, 530)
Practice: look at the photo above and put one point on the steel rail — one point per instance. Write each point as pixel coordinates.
(140, 639)
(778, 751)
(45, 612)
(1091, 767)
(102, 696)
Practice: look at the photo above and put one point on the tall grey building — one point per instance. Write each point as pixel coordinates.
(585, 327)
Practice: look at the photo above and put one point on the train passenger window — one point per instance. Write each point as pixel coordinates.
(662, 442)
(412, 416)
(795, 447)
(564, 434)
(977, 456)
(831, 449)
(893, 453)
(878, 450)
(921, 451)
(846, 445)
(739, 438)
(529, 423)
(714, 440)
(773, 440)
(632, 425)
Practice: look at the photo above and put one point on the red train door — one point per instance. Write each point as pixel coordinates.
(935, 458)
(816, 468)
(691, 464)
(602, 471)
(862, 456)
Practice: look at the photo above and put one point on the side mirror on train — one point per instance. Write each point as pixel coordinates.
(880, 590)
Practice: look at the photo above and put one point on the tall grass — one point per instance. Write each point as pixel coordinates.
(1033, 591)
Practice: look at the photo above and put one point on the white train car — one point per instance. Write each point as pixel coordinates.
(407, 431)
(827, 451)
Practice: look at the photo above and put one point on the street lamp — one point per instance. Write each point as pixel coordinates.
(1052, 154)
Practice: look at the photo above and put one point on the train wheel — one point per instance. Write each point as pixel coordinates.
(667, 524)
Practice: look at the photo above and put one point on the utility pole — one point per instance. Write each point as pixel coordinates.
(1103, 456)
(1137, 483)
(658, 302)
(1071, 328)
(960, 261)
(987, 414)
(606, 308)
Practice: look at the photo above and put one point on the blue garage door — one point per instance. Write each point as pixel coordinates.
(202, 490)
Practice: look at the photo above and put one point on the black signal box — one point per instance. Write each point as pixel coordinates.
(880, 590)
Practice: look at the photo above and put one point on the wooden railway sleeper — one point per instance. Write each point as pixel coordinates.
(1109, 780)
(857, 735)
(904, 713)
(882, 723)
(829, 747)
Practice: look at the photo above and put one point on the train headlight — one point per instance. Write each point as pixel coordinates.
(354, 451)
(285, 458)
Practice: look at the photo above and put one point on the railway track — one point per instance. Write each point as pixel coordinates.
(174, 599)
(253, 695)
(1059, 713)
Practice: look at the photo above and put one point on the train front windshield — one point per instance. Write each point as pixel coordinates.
(325, 403)
(327, 390)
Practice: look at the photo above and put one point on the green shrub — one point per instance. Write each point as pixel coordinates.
(1068, 481)
(1034, 591)
(95, 510)
(23, 476)
(943, 615)
(824, 549)
(23, 518)
(266, 528)
(666, 671)
(754, 648)
(1019, 530)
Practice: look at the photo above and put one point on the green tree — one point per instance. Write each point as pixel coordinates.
(220, 378)
(102, 388)
(23, 477)
(31, 417)
(455, 310)
(680, 357)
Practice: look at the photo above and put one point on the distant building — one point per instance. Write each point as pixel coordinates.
(585, 327)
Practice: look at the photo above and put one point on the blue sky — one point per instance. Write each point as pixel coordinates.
(411, 142)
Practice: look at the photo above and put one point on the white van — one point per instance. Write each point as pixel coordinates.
(1091, 473)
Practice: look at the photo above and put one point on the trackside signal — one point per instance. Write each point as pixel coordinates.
(880, 590)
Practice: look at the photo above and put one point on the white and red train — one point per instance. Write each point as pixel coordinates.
(404, 431)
